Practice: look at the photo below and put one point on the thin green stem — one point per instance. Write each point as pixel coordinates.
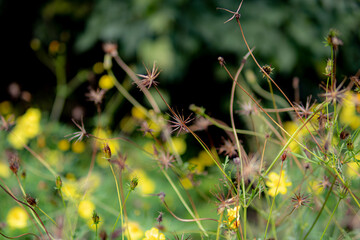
(119, 198)
(219, 226)
(183, 201)
(273, 201)
(46, 215)
(322, 208)
(327, 225)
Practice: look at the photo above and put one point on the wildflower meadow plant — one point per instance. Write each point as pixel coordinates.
(278, 169)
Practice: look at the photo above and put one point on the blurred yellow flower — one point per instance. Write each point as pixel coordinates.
(186, 183)
(203, 160)
(101, 160)
(353, 169)
(233, 216)
(291, 127)
(106, 82)
(316, 187)
(135, 231)
(138, 113)
(27, 127)
(349, 114)
(146, 185)
(17, 218)
(63, 145)
(178, 145)
(86, 209)
(276, 184)
(5, 108)
(113, 144)
(98, 67)
(154, 234)
(70, 191)
(4, 170)
(78, 147)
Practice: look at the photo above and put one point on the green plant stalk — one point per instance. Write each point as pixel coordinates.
(237, 140)
(274, 103)
(61, 88)
(343, 182)
(32, 213)
(46, 215)
(125, 93)
(273, 202)
(322, 208)
(219, 226)
(119, 198)
(96, 229)
(62, 198)
(292, 138)
(183, 201)
(327, 225)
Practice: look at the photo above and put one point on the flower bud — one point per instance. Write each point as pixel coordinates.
(95, 218)
(133, 184)
(107, 151)
(58, 183)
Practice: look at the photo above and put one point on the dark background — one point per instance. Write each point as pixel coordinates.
(185, 38)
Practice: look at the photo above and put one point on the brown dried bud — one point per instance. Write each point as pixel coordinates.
(160, 217)
(283, 156)
(221, 61)
(30, 200)
(95, 218)
(133, 184)
(344, 135)
(14, 161)
(267, 69)
(107, 151)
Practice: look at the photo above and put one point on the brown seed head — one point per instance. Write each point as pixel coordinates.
(14, 161)
(149, 79)
(30, 200)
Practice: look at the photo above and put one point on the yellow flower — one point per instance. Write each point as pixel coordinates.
(154, 234)
(233, 217)
(350, 109)
(78, 147)
(205, 159)
(4, 170)
(316, 187)
(276, 184)
(98, 67)
(17, 218)
(146, 185)
(113, 144)
(63, 145)
(186, 183)
(70, 191)
(178, 145)
(86, 209)
(138, 113)
(5, 107)
(106, 82)
(352, 169)
(196, 165)
(133, 228)
(26, 128)
(291, 127)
